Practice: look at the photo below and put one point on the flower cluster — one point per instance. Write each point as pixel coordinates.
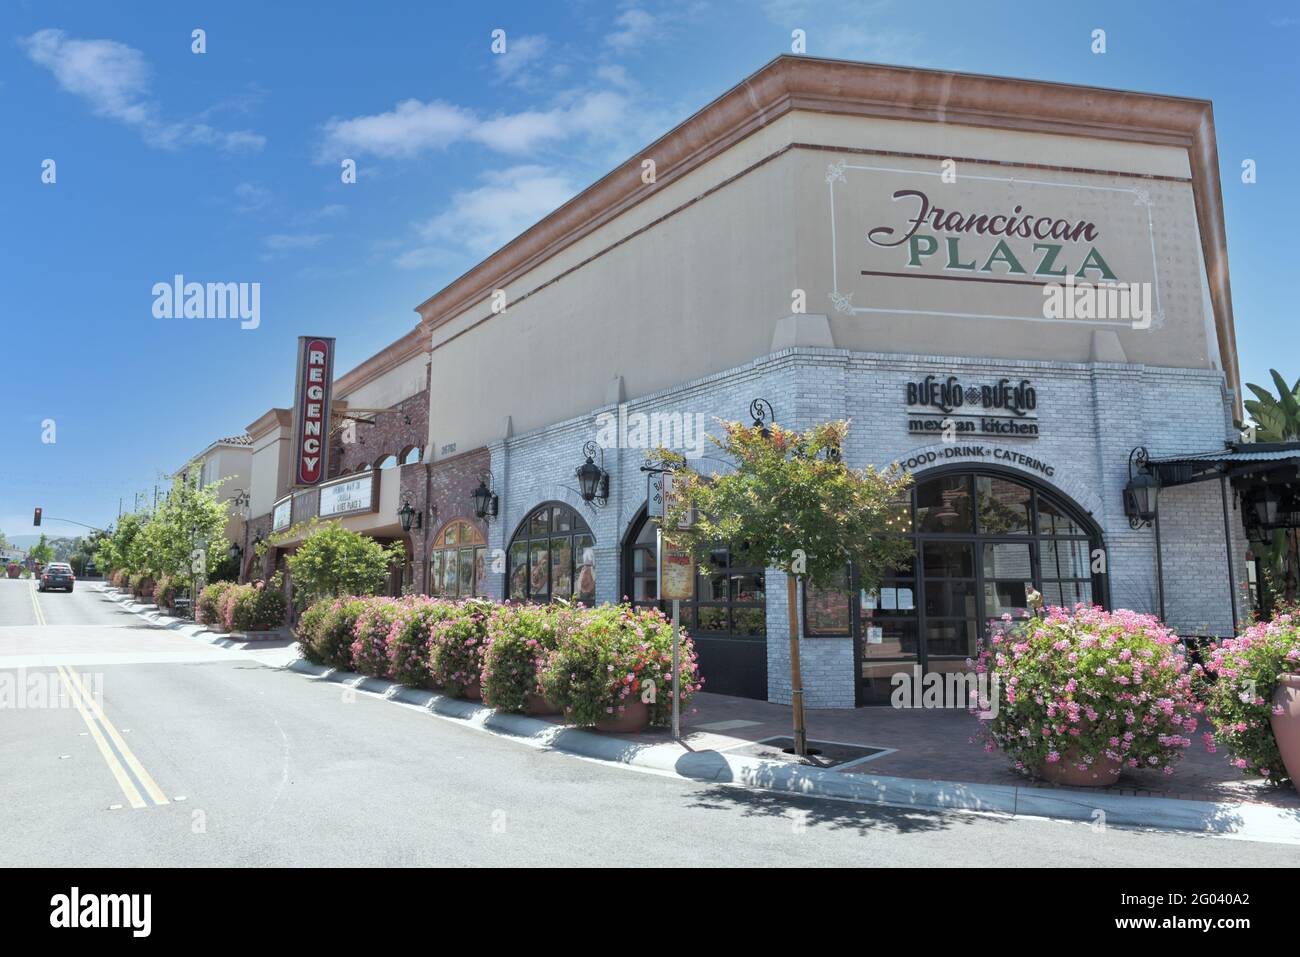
(1089, 687)
(1240, 677)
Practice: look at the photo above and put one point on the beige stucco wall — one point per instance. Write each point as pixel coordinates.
(386, 390)
(268, 470)
(702, 290)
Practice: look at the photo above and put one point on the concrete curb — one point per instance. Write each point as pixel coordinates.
(1240, 820)
(190, 628)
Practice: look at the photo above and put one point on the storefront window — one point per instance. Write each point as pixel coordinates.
(730, 600)
(458, 561)
(982, 541)
(553, 555)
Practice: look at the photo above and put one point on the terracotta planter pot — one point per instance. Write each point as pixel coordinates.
(1066, 773)
(1286, 726)
(535, 704)
(634, 717)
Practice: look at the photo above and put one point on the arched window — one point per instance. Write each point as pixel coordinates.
(411, 456)
(982, 540)
(386, 462)
(458, 561)
(553, 555)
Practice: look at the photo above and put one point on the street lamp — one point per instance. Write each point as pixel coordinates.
(1142, 493)
(409, 516)
(486, 503)
(593, 480)
(1266, 506)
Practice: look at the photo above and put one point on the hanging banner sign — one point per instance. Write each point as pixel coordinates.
(311, 411)
(676, 565)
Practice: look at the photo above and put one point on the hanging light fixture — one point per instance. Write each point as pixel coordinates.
(1266, 506)
(593, 480)
(409, 517)
(486, 503)
(1142, 493)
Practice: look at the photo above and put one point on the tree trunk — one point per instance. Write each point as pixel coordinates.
(796, 676)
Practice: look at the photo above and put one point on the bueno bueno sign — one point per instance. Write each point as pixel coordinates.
(949, 406)
(311, 411)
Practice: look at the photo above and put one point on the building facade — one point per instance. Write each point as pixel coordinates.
(1007, 286)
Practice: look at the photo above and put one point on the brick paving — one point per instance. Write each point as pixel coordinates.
(936, 745)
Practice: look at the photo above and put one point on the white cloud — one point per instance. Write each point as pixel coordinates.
(522, 53)
(483, 219)
(408, 129)
(413, 127)
(251, 197)
(634, 27)
(278, 244)
(113, 79)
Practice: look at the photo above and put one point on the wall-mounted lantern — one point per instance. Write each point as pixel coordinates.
(761, 412)
(486, 503)
(1266, 506)
(409, 517)
(1142, 493)
(593, 480)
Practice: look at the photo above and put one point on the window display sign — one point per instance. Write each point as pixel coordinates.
(350, 497)
(281, 515)
(676, 565)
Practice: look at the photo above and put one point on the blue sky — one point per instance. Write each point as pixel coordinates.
(224, 166)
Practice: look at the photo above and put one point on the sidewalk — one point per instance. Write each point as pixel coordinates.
(936, 745)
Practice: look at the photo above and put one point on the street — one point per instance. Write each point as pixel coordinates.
(196, 755)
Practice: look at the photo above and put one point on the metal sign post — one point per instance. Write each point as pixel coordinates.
(676, 582)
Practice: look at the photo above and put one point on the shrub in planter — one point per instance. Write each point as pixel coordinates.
(211, 601)
(520, 637)
(408, 641)
(309, 627)
(456, 645)
(13, 569)
(1083, 693)
(613, 659)
(164, 592)
(252, 608)
(141, 585)
(333, 641)
(1243, 676)
(370, 637)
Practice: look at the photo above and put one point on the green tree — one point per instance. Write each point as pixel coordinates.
(332, 562)
(190, 516)
(793, 505)
(42, 553)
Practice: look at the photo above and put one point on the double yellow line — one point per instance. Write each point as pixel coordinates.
(98, 725)
(36, 607)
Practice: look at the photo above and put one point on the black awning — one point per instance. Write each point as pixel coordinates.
(1266, 462)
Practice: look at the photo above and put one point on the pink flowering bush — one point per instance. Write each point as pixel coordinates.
(1087, 685)
(1241, 677)
(370, 636)
(408, 641)
(520, 637)
(457, 643)
(612, 655)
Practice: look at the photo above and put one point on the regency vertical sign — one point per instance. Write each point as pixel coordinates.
(311, 411)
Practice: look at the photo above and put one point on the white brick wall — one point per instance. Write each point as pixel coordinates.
(1090, 416)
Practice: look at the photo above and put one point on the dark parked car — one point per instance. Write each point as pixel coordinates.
(57, 575)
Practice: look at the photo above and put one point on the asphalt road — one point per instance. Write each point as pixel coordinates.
(197, 755)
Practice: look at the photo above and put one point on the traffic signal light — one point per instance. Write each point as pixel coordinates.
(36, 518)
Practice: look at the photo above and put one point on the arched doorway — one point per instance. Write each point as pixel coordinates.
(726, 619)
(983, 538)
(552, 555)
